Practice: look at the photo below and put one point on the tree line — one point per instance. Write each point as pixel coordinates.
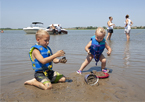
(83, 28)
(116, 27)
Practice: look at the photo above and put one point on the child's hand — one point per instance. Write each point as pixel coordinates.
(63, 60)
(108, 53)
(60, 53)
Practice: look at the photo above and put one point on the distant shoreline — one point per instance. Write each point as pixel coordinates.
(11, 29)
(93, 28)
(82, 28)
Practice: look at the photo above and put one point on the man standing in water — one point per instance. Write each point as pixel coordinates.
(110, 28)
(59, 29)
(128, 24)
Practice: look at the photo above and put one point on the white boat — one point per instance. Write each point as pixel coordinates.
(49, 30)
(35, 26)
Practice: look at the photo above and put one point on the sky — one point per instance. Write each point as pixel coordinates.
(70, 13)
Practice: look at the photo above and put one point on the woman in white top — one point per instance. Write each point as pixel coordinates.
(128, 24)
(110, 28)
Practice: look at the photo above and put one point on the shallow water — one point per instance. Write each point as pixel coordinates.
(127, 59)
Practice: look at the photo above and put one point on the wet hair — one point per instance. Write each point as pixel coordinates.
(100, 30)
(127, 16)
(40, 33)
(110, 17)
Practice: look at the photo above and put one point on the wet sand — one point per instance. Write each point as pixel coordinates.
(126, 63)
(74, 89)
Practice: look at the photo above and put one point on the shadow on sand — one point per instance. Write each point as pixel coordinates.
(95, 68)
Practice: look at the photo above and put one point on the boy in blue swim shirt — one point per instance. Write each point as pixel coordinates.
(95, 49)
(42, 58)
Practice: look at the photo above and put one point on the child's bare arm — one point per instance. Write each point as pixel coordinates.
(108, 48)
(42, 60)
(88, 46)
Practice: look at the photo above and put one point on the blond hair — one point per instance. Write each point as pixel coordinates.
(40, 33)
(100, 30)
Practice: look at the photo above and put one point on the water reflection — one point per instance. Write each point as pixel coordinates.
(110, 59)
(109, 42)
(127, 54)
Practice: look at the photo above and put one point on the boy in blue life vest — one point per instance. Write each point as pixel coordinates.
(41, 57)
(95, 48)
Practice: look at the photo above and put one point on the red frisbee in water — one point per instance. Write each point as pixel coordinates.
(102, 77)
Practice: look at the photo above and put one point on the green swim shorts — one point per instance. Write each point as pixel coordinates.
(52, 77)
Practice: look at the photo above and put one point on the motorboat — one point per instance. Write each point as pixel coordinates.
(35, 26)
(49, 29)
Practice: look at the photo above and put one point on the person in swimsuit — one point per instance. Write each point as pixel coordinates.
(42, 58)
(95, 48)
(128, 24)
(110, 28)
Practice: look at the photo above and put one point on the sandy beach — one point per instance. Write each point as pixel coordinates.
(75, 89)
(126, 63)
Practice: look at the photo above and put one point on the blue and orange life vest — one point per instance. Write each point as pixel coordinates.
(45, 52)
(97, 48)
